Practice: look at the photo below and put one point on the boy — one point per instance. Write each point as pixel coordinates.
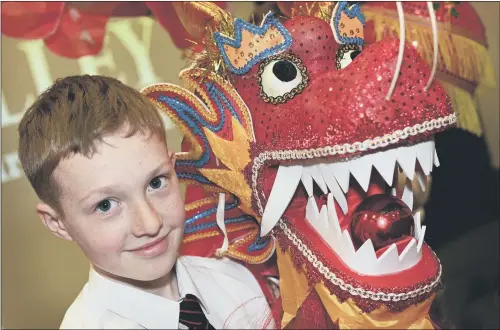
(95, 152)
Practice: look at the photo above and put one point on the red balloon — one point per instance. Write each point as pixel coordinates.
(382, 218)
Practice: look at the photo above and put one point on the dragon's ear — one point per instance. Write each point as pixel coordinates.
(219, 96)
(217, 126)
(347, 23)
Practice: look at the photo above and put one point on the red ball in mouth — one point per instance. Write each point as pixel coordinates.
(383, 219)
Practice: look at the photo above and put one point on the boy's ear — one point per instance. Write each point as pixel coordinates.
(51, 219)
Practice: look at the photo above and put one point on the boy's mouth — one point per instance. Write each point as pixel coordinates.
(152, 249)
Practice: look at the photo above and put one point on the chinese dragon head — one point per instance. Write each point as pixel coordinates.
(296, 135)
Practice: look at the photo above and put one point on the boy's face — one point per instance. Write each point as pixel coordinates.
(123, 206)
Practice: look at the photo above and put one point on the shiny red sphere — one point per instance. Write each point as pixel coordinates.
(382, 218)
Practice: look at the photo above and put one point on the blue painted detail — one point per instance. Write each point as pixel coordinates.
(353, 11)
(192, 176)
(194, 121)
(211, 211)
(202, 226)
(217, 95)
(259, 244)
(239, 25)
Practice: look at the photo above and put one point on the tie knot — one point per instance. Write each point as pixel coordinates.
(190, 303)
(190, 297)
(191, 314)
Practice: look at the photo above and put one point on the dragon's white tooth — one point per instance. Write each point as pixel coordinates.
(394, 192)
(334, 187)
(425, 152)
(417, 224)
(315, 173)
(411, 244)
(284, 187)
(319, 221)
(324, 231)
(409, 257)
(361, 169)
(436, 159)
(408, 194)
(347, 244)
(341, 172)
(385, 163)
(333, 218)
(307, 181)
(406, 159)
(366, 253)
(312, 211)
(389, 260)
(323, 217)
(421, 239)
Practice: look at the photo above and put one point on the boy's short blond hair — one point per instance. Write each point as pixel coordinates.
(70, 117)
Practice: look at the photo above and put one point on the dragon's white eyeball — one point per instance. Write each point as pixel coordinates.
(281, 78)
(346, 55)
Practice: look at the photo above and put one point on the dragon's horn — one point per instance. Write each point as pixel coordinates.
(309, 8)
(198, 16)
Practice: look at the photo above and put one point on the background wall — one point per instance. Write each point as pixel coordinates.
(489, 102)
(41, 275)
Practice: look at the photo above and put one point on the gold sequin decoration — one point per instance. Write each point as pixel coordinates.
(200, 203)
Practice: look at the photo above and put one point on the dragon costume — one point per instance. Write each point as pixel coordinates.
(302, 149)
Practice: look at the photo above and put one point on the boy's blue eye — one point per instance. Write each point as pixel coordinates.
(157, 183)
(105, 205)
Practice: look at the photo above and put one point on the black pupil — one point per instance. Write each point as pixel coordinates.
(155, 183)
(285, 70)
(354, 54)
(105, 205)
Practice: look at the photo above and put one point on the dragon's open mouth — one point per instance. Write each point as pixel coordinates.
(334, 195)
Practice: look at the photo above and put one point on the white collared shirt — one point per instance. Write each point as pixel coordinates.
(228, 293)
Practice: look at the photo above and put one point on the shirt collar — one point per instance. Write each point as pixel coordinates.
(148, 310)
(187, 285)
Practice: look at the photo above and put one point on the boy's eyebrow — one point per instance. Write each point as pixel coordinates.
(158, 169)
(112, 187)
(104, 189)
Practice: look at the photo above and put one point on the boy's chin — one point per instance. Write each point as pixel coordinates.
(153, 269)
(141, 270)
(147, 271)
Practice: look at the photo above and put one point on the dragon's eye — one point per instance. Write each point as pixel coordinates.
(346, 54)
(282, 77)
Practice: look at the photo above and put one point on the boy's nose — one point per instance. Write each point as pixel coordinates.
(147, 221)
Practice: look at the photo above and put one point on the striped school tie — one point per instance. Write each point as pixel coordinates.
(191, 315)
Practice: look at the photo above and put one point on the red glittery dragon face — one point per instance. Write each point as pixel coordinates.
(326, 141)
